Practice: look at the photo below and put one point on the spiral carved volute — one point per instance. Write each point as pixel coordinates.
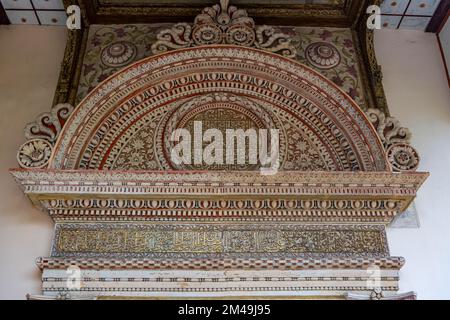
(223, 24)
(396, 140)
(41, 136)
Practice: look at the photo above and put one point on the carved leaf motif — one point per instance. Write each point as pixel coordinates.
(179, 36)
(48, 125)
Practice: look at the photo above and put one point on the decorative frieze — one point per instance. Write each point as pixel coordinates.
(218, 240)
(390, 263)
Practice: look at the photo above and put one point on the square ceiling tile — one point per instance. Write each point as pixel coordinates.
(422, 7)
(17, 4)
(415, 23)
(48, 4)
(390, 22)
(57, 18)
(22, 17)
(394, 6)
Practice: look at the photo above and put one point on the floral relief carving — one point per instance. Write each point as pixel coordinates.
(345, 74)
(34, 154)
(224, 24)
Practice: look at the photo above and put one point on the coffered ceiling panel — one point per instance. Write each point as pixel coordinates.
(44, 12)
(408, 14)
(396, 14)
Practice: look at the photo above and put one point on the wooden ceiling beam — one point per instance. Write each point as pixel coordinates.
(295, 15)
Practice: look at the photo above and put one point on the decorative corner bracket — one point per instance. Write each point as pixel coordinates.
(41, 136)
(396, 140)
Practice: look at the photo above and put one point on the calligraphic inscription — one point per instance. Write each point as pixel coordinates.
(214, 240)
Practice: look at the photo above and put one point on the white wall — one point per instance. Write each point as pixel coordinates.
(416, 90)
(418, 95)
(30, 58)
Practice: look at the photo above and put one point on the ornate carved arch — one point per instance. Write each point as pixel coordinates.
(150, 91)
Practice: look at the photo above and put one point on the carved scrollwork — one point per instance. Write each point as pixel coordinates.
(179, 36)
(48, 125)
(224, 24)
(396, 140)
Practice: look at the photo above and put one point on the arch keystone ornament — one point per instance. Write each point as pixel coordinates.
(123, 210)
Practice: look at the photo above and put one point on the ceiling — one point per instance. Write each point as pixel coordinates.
(396, 14)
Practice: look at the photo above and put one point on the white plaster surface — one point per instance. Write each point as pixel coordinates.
(418, 95)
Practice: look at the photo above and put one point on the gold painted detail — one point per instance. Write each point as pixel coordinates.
(219, 239)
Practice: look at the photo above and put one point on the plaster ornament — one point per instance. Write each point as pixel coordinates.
(396, 140)
(34, 154)
(323, 55)
(224, 24)
(48, 125)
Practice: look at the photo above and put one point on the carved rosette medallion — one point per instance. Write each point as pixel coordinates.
(403, 157)
(34, 154)
(118, 54)
(323, 55)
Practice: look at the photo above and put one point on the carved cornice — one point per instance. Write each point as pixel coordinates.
(324, 197)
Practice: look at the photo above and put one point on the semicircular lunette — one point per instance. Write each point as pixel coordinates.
(124, 123)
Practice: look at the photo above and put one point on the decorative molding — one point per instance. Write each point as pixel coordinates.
(172, 196)
(224, 24)
(372, 72)
(52, 263)
(69, 76)
(102, 278)
(378, 294)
